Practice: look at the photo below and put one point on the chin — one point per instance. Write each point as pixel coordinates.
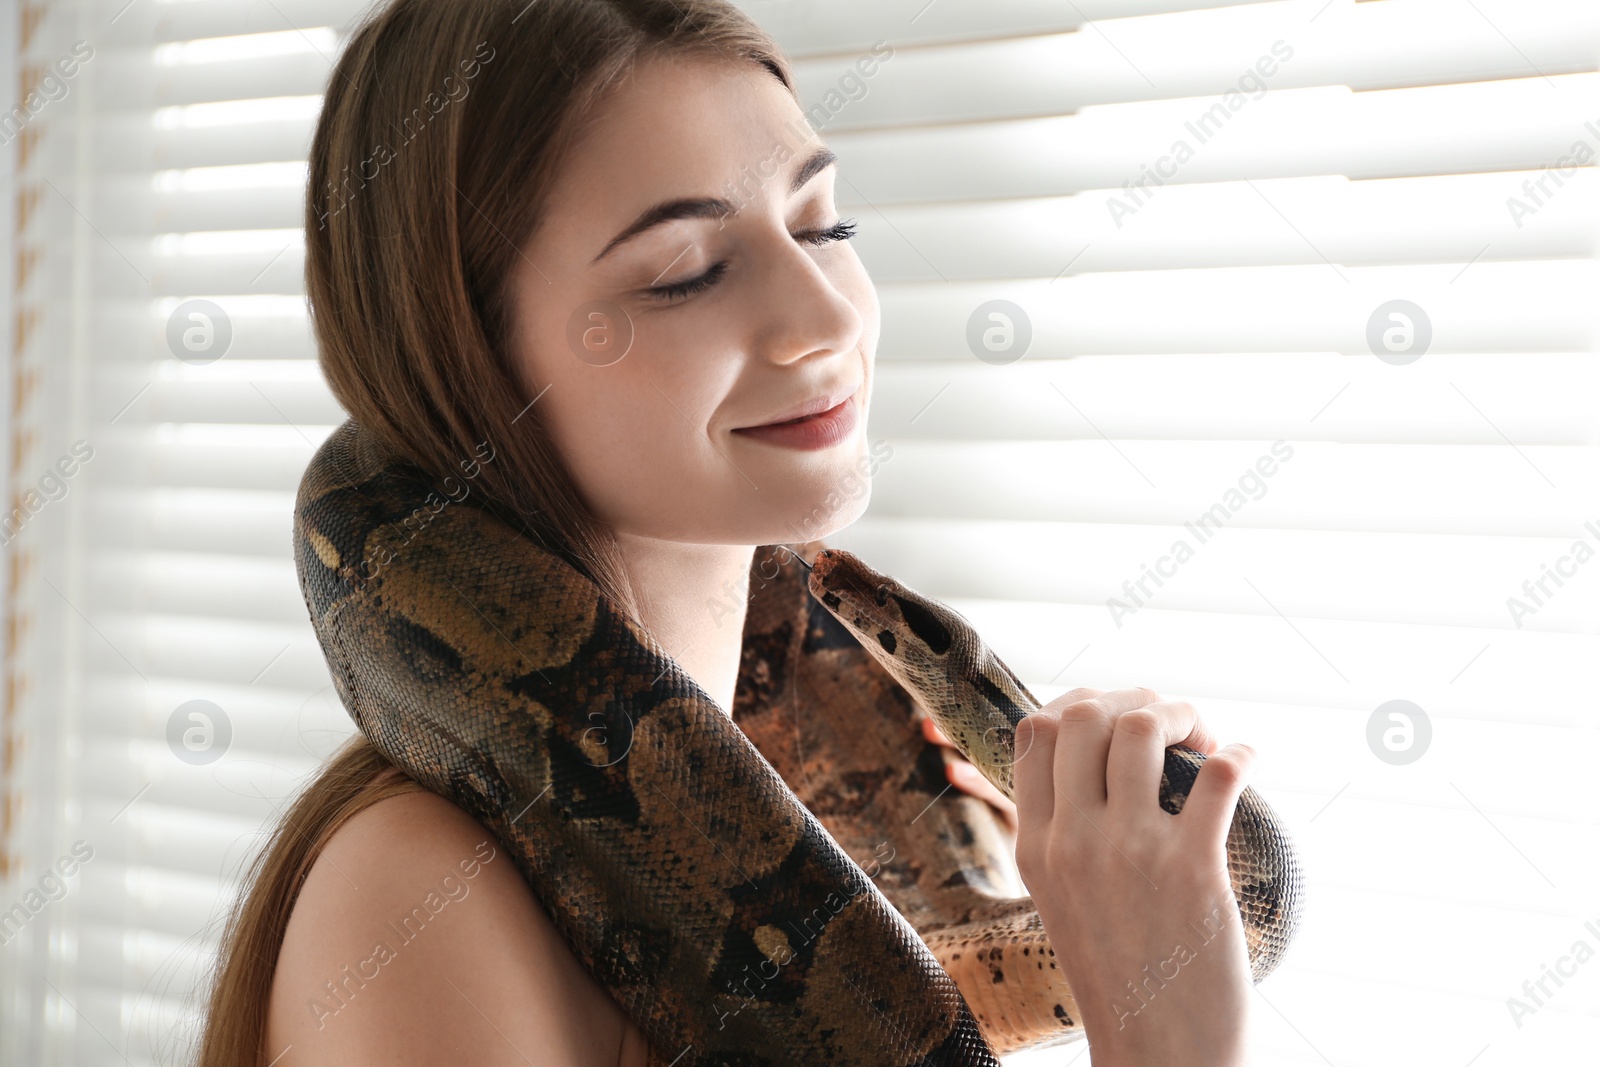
(794, 506)
(815, 512)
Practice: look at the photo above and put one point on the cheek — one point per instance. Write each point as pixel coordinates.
(632, 435)
(589, 412)
(611, 429)
(573, 404)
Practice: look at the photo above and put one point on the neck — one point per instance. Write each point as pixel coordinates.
(692, 599)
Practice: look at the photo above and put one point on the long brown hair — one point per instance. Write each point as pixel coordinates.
(441, 130)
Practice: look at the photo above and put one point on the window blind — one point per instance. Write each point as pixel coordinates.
(1306, 287)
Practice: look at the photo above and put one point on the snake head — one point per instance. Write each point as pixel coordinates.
(934, 654)
(879, 610)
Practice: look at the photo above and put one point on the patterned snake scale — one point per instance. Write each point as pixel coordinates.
(791, 883)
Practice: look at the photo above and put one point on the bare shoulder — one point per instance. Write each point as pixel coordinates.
(415, 940)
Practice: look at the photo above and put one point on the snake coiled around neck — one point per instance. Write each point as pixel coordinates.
(782, 882)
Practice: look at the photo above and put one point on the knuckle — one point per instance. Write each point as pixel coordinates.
(1143, 851)
(1087, 710)
(1059, 854)
(1148, 695)
(1038, 721)
(1140, 723)
(1226, 769)
(1028, 858)
(1072, 696)
(1033, 730)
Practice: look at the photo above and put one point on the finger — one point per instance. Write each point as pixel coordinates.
(1200, 738)
(1085, 741)
(970, 780)
(931, 731)
(1133, 764)
(967, 778)
(1032, 775)
(1216, 792)
(1139, 751)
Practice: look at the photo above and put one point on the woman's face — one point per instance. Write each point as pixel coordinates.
(687, 297)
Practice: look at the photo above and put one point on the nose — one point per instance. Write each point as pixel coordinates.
(802, 311)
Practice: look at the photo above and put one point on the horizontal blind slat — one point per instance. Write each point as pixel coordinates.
(1527, 306)
(1258, 657)
(1277, 45)
(1118, 568)
(1537, 398)
(1482, 127)
(1217, 318)
(1431, 488)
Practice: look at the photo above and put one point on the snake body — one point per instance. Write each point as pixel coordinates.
(782, 882)
(978, 701)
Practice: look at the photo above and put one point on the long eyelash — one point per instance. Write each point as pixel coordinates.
(842, 230)
(693, 285)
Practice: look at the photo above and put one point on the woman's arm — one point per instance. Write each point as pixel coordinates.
(1137, 901)
(415, 940)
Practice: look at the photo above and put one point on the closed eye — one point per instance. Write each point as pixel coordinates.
(842, 230)
(678, 290)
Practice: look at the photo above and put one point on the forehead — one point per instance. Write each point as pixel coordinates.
(676, 126)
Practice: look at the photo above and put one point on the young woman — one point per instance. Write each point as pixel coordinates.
(492, 182)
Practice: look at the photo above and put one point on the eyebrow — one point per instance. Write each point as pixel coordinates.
(712, 207)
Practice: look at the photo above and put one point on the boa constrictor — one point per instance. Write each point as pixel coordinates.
(788, 883)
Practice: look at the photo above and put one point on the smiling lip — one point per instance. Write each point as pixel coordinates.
(810, 432)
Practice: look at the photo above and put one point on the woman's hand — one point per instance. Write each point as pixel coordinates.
(1136, 901)
(967, 778)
